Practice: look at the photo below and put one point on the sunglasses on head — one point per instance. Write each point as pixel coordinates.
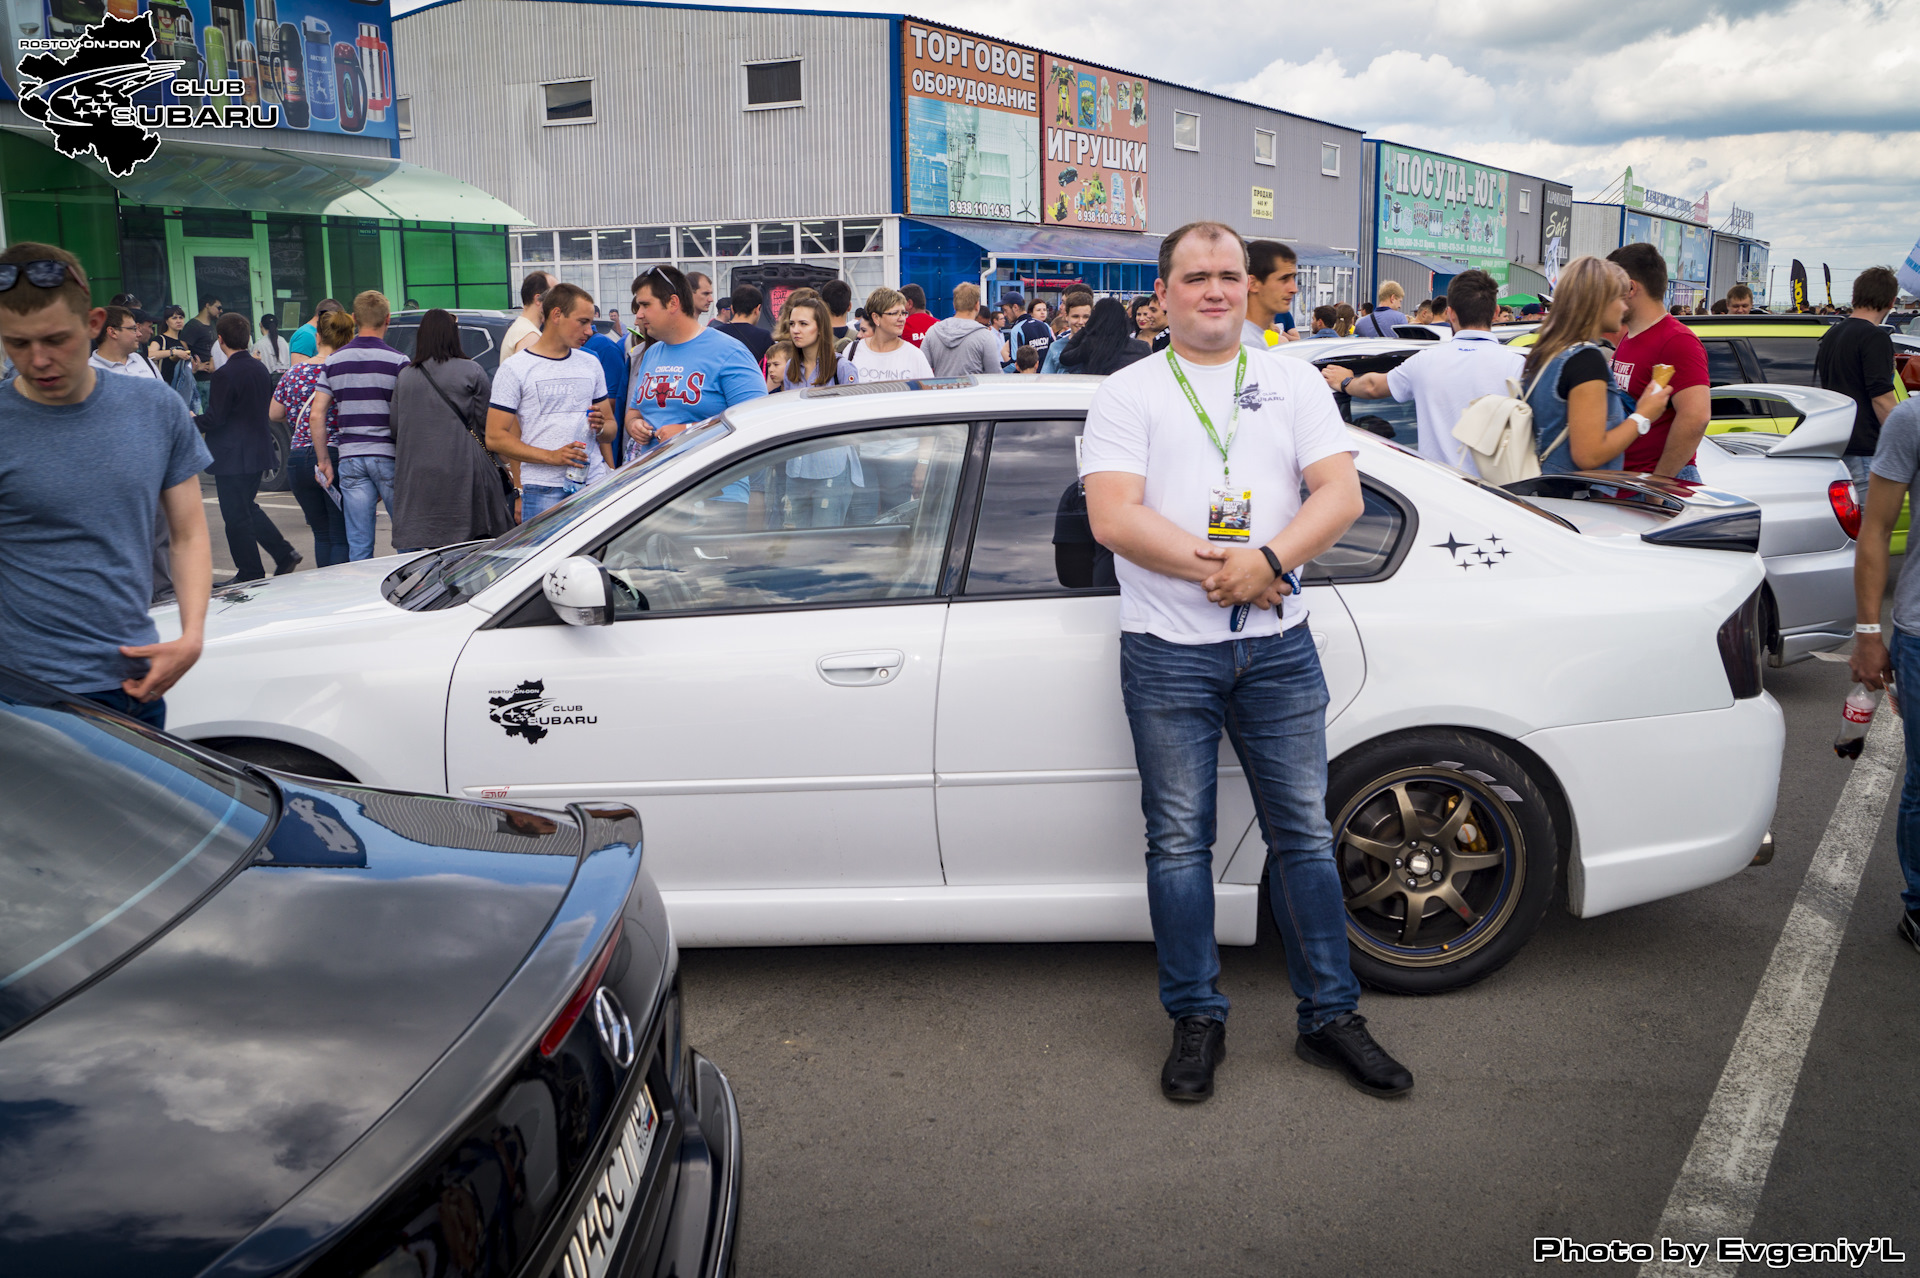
(40, 274)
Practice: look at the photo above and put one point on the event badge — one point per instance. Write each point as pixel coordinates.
(1230, 515)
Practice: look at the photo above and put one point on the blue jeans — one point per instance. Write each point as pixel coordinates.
(535, 499)
(1690, 473)
(1270, 698)
(1906, 679)
(152, 713)
(365, 482)
(1857, 464)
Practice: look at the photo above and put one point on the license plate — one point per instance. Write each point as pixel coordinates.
(616, 1192)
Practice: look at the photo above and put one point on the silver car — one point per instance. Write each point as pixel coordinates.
(1809, 510)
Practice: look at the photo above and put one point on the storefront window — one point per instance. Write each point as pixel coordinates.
(696, 241)
(861, 237)
(819, 237)
(576, 246)
(535, 247)
(776, 239)
(616, 245)
(653, 242)
(735, 239)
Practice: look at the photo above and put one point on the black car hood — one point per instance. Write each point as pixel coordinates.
(151, 1121)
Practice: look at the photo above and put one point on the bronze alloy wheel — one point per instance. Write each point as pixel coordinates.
(1447, 858)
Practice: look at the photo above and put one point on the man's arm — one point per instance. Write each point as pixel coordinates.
(1870, 663)
(1691, 409)
(317, 427)
(1333, 502)
(503, 438)
(1882, 405)
(191, 563)
(1365, 386)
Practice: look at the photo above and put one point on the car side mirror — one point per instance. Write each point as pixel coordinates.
(581, 591)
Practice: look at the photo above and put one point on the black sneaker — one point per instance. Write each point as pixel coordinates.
(1344, 1044)
(1199, 1045)
(288, 564)
(1909, 927)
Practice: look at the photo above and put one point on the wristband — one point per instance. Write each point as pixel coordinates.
(1866, 630)
(1343, 383)
(1273, 562)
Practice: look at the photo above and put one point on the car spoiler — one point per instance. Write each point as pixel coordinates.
(1825, 426)
(1698, 516)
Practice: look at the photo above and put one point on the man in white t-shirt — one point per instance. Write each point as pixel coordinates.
(1193, 462)
(550, 412)
(119, 349)
(526, 326)
(1447, 376)
(889, 468)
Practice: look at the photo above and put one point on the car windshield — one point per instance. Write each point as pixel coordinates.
(111, 832)
(473, 573)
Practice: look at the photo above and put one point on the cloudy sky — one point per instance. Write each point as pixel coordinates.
(1805, 111)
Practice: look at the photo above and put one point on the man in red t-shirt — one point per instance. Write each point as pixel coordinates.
(1655, 337)
(918, 319)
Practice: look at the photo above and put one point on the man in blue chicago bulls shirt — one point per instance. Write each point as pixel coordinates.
(687, 376)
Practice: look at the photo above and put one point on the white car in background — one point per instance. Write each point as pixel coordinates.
(902, 722)
(1784, 457)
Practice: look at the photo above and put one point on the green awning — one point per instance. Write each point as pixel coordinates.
(205, 175)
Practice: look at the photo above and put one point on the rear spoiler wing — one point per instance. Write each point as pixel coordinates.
(1698, 516)
(1825, 425)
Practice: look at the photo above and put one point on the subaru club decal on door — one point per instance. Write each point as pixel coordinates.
(527, 713)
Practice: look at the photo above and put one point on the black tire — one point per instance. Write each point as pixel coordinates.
(279, 756)
(1504, 875)
(274, 478)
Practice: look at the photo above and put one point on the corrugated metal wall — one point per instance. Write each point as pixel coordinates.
(1596, 230)
(672, 140)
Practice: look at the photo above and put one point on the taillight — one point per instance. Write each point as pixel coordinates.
(1846, 507)
(563, 1024)
(1740, 646)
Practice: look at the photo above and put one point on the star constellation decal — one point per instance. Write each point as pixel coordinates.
(1477, 554)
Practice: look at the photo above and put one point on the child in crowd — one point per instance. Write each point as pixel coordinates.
(779, 356)
(1026, 360)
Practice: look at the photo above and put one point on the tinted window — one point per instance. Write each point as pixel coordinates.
(110, 833)
(1032, 534)
(1785, 359)
(1365, 550)
(1723, 363)
(843, 519)
(1399, 417)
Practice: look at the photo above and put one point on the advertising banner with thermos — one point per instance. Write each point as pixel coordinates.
(327, 64)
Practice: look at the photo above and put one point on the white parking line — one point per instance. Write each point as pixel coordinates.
(1720, 1183)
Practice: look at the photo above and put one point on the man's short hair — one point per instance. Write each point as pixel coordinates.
(116, 316)
(1076, 297)
(838, 295)
(1439, 306)
(370, 309)
(327, 307)
(1644, 266)
(966, 298)
(665, 282)
(1327, 315)
(209, 299)
(1474, 295)
(915, 295)
(1264, 257)
(1205, 231)
(697, 278)
(536, 283)
(1739, 293)
(234, 330)
(562, 298)
(882, 300)
(1390, 294)
(1026, 357)
(1719, 308)
(747, 299)
(1876, 289)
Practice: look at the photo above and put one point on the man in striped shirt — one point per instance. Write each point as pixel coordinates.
(361, 377)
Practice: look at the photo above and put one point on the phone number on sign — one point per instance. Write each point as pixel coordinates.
(969, 208)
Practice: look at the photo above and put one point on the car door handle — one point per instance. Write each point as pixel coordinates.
(861, 669)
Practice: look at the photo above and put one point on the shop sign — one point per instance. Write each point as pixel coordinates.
(1740, 220)
(1263, 203)
(1635, 196)
(1096, 136)
(1432, 204)
(1556, 232)
(972, 126)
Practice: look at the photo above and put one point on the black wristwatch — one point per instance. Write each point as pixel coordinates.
(1273, 562)
(1343, 383)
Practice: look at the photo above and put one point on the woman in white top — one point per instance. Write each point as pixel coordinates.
(271, 349)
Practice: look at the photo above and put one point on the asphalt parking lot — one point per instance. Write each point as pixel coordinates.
(973, 1109)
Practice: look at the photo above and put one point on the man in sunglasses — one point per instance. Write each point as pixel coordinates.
(88, 462)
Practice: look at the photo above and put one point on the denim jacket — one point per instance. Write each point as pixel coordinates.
(1550, 415)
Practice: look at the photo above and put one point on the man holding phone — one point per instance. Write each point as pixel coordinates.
(1193, 462)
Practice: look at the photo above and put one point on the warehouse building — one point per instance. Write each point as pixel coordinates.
(1702, 263)
(782, 148)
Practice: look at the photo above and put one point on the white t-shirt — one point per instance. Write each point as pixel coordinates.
(522, 329)
(904, 361)
(1443, 379)
(552, 398)
(134, 367)
(1141, 423)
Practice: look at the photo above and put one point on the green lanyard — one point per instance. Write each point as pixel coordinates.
(1233, 419)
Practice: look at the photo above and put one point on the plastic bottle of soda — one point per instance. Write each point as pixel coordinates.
(1856, 713)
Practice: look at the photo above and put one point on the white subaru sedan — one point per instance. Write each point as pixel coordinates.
(854, 656)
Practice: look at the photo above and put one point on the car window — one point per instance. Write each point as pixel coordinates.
(110, 834)
(1380, 416)
(1723, 362)
(1785, 359)
(1031, 535)
(1368, 549)
(854, 518)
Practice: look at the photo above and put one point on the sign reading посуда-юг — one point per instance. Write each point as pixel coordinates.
(1432, 204)
(1096, 132)
(972, 127)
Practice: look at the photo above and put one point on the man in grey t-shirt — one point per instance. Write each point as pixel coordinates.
(1895, 466)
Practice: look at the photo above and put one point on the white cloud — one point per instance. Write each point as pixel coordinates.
(1397, 87)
